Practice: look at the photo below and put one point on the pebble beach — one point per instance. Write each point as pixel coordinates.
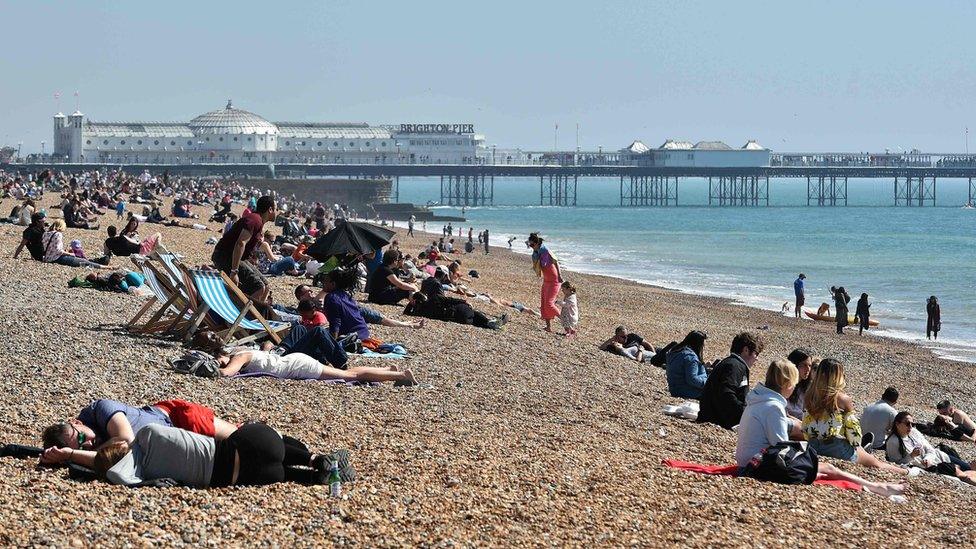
(514, 437)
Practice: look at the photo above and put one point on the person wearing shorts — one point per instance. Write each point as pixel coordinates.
(107, 420)
(800, 291)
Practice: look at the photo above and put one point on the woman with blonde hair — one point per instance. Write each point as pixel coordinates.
(765, 424)
(54, 252)
(831, 424)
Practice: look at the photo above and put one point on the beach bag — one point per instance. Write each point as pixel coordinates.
(785, 463)
(661, 357)
(196, 363)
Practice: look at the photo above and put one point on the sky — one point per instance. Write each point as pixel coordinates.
(823, 76)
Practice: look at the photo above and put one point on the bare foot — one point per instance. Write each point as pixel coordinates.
(420, 324)
(886, 489)
(408, 379)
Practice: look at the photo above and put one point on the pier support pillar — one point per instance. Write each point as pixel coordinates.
(557, 190)
(396, 188)
(972, 192)
(467, 190)
(644, 190)
(738, 190)
(916, 191)
(827, 190)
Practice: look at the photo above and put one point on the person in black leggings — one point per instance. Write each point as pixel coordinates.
(265, 458)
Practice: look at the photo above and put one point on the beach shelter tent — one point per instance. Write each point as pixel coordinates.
(350, 237)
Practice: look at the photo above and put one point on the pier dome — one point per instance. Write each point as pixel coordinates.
(230, 120)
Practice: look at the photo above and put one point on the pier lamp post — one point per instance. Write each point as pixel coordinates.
(399, 159)
(42, 151)
(19, 145)
(493, 155)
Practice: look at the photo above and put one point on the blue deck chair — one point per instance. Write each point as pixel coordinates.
(211, 288)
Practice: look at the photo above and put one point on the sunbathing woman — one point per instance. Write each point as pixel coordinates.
(765, 423)
(302, 366)
(253, 455)
(831, 424)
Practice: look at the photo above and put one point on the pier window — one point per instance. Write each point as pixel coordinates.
(88, 142)
(335, 143)
(320, 143)
(105, 142)
(383, 144)
(123, 141)
(156, 142)
(172, 143)
(235, 139)
(139, 142)
(367, 143)
(218, 139)
(351, 144)
(287, 143)
(189, 142)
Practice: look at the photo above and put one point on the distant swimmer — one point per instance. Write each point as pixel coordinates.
(510, 240)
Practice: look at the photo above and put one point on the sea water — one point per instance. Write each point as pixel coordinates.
(751, 255)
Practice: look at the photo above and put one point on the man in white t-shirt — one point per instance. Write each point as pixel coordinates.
(876, 418)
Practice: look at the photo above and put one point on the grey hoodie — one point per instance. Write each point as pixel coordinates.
(764, 423)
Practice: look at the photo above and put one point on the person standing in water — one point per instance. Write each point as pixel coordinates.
(934, 322)
(863, 314)
(800, 291)
(841, 299)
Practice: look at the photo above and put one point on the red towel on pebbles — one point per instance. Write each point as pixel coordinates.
(732, 470)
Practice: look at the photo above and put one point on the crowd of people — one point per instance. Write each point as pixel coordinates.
(802, 397)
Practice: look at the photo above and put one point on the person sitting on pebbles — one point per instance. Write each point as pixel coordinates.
(765, 424)
(628, 345)
(302, 366)
(107, 421)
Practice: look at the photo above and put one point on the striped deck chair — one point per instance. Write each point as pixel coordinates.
(175, 310)
(213, 289)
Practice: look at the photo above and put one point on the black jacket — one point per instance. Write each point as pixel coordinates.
(724, 396)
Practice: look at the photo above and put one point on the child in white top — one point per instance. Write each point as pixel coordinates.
(569, 309)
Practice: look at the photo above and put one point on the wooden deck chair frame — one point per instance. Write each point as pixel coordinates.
(227, 335)
(172, 315)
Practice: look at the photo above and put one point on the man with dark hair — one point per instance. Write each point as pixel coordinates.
(876, 419)
(724, 396)
(628, 344)
(959, 423)
(234, 249)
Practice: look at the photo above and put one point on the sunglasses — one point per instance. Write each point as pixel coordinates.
(81, 436)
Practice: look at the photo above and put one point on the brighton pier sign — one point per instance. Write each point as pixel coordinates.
(437, 128)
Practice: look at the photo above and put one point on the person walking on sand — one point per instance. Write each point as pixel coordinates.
(841, 299)
(546, 266)
(800, 291)
(862, 314)
(486, 241)
(934, 322)
(410, 223)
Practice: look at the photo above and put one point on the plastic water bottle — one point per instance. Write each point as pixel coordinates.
(335, 482)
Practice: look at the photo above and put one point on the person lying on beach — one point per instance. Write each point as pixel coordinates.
(302, 366)
(765, 423)
(685, 369)
(253, 455)
(954, 420)
(105, 421)
(628, 345)
(831, 425)
(724, 395)
(907, 446)
(451, 309)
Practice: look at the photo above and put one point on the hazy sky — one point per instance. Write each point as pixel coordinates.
(841, 76)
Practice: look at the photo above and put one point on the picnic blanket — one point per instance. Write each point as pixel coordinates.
(733, 471)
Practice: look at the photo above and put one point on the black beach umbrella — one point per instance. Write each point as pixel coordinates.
(350, 237)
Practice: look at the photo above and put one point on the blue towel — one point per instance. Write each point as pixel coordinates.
(373, 354)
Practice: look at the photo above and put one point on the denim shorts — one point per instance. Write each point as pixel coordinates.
(835, 448)
(370, 316)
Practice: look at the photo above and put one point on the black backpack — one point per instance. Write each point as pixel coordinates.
(786, 463)
(196, 363)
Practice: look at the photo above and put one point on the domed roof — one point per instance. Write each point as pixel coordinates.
(231, 121)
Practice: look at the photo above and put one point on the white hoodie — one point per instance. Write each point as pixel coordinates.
(763, 424)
